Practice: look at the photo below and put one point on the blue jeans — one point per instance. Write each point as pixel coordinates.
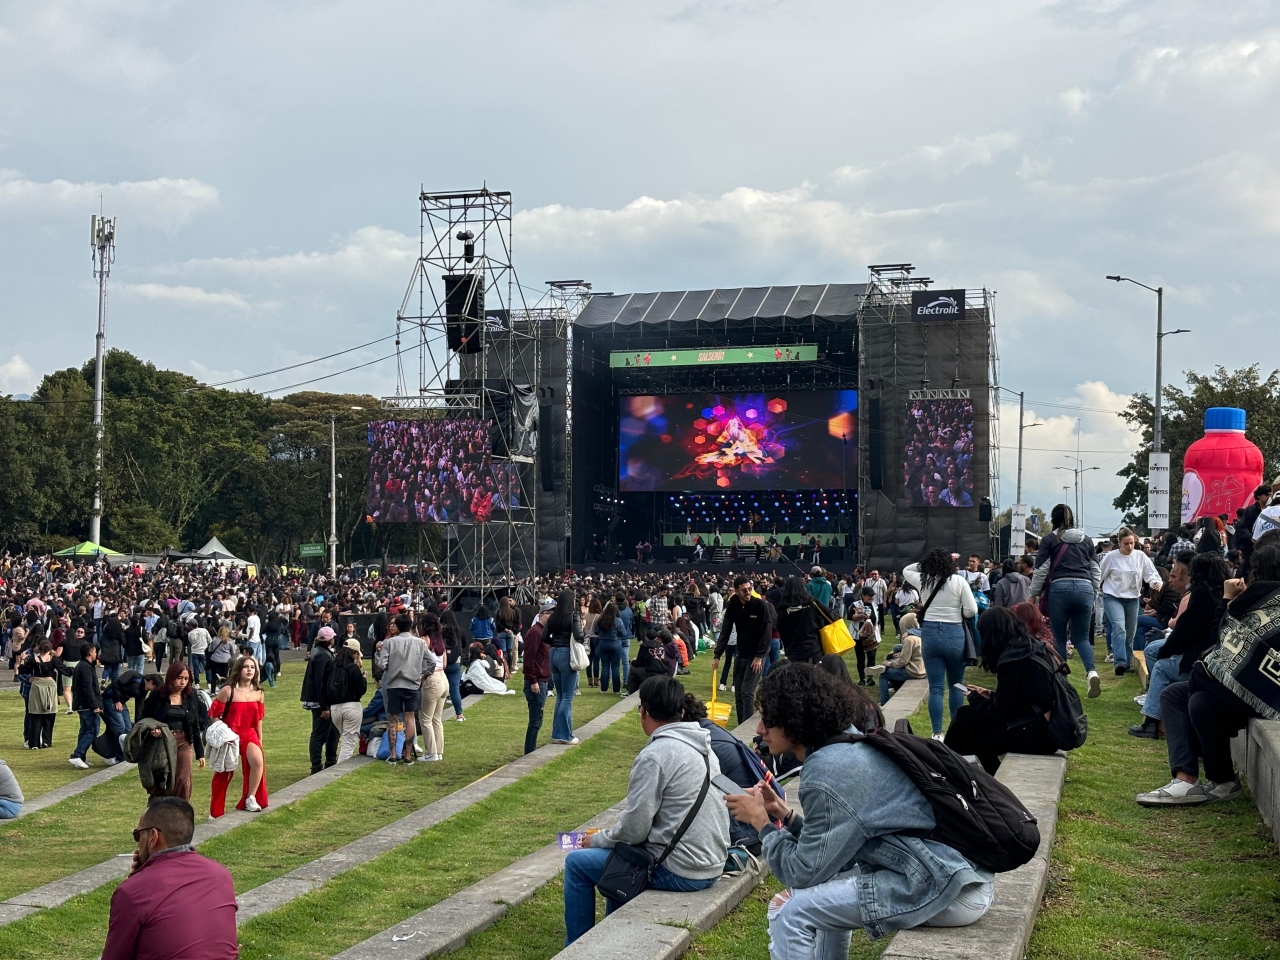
(110, 671)
(136, 664)
(88, 733)
(1163, 672)
(1146, 622)
(891, 680)
(1122, 626)
(626, 661)
(505, 641)
(117, 723)
(453, 673)
(583, 868)
(566, 681)
(195, 663)
(1071, 604)
(943, 647)
(536, 702)
(775, 654)
(9, 809)
(608, 655)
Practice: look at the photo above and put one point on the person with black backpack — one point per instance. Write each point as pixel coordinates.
(1016, 716)
(873, 850)
(347, 687)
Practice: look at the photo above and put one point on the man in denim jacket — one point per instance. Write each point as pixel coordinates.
(856, 857)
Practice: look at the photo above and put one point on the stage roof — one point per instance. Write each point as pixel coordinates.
(829, 301)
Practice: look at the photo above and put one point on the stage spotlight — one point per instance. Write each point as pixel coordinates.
(468, 245)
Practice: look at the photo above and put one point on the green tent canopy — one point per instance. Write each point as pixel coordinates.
(87, 549)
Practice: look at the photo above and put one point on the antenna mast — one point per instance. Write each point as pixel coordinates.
(102, 238)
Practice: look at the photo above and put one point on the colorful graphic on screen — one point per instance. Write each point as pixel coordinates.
(437, 470)
(755, 441)
(937, 468)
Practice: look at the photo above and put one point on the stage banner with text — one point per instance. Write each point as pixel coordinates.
(798, 352)
(1018, 530)
(1158, 491)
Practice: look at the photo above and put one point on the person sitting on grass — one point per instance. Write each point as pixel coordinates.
(175, 904)
(857, 858)
(666, 779)
(11, 798)
(906, 663)
(1014, 717)
(1233, 684)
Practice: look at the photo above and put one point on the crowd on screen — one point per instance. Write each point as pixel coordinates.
(437, 470)
(938, 460)
(1182, 604)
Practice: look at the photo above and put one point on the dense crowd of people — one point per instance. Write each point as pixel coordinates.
(1195, 608)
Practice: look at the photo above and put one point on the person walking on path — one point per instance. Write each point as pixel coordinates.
(1068, 571)
(565, 623)
(948, 603)
(87, 701)
(537, 674)
(1122, 574)
(315, 697)
(749, 616)
(347, 687)
(176, 706)
(239, 704)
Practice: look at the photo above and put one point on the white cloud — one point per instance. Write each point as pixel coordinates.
(369, 252)
(164, 202)
(16, 376)
(188, 296)
(1236, 66)
(959, 153)
(1075, 100)
(1028, 296)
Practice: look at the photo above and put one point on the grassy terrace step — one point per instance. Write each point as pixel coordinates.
(277, 842)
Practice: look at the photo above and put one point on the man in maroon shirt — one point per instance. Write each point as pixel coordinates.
(175, 904)
(537, 673)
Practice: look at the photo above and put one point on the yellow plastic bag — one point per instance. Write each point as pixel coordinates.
(718, 712)
(836, 637)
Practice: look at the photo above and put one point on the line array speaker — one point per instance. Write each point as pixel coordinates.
(875, 445)
(464, 310)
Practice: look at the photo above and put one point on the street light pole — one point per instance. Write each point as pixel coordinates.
(1155, 430)
(1021, 399)
(103, 239)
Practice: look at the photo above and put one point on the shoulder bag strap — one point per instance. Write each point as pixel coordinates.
(688, 818)
(923, 610)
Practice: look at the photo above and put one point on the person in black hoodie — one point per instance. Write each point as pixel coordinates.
(751, 617)
(1196, 630)
(87, 701)
(112, 652)
(315, 697)
(1014, 717)
(798, 623)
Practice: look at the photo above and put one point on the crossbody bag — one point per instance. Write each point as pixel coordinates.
(629, 868)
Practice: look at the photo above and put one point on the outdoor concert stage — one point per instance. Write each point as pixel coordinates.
(859, 412)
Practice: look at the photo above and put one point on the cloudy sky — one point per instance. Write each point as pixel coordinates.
(264, 160)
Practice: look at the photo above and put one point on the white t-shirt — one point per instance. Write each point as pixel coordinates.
(977, 580)
(954, 602)
(1123, 577)
(253, 627)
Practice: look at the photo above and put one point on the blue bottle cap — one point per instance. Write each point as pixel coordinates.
(1224, 418)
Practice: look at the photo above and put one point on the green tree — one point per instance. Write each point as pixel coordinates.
(1182, 424)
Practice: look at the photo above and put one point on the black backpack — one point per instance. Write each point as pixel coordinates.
(976, 814)
(337, 684)
(1068, 725)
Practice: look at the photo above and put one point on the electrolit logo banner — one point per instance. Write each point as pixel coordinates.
(937, 304)
(1158, 491)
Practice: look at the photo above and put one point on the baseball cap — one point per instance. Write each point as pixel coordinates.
(547, 606)
(816, 571)
(352, 644)
(324, 633)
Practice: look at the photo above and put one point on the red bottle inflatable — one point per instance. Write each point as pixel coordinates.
(1222, 469)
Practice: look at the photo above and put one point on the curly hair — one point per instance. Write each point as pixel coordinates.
(936, 567)
(807, 703)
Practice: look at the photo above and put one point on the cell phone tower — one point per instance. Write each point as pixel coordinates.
(102, 238)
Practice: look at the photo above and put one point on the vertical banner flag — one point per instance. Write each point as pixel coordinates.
(1018, 530)
(1158, 491)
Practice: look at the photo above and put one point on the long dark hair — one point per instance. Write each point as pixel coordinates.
(794, 593)
(561, 621)
(936, 567)
(1209, 570)
(999, 628)
(608, 617)
(1062, 518)
(176, 669)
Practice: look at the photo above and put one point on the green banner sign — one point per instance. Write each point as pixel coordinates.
(697, 358)
(311, 549)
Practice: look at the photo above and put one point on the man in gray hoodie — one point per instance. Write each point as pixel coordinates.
(666, 778)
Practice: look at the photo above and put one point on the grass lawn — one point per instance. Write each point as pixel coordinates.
(281, 840)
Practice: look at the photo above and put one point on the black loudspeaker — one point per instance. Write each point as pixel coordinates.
(464, 310)
(546, 452)
(875, 445)
(984, 509)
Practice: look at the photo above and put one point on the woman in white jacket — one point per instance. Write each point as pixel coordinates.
(1124, 571)
(947, 603)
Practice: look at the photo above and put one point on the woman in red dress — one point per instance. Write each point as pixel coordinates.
(239, 704)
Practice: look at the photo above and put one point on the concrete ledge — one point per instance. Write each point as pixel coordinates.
(276, 893)
(1256, 750)
(72, 789)
(1005, 931)
(905, 701)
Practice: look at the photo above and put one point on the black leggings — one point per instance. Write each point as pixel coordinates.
(1200, 718)
(989, 738)
(41, 734)
(866, 659)
(730, 654)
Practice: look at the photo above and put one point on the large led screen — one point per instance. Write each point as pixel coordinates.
(437, 470)
(753, 441)
(938, 461)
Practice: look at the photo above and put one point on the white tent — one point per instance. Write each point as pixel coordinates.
(215, 552)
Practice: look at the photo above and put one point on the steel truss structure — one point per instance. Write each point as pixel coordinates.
(469, 232)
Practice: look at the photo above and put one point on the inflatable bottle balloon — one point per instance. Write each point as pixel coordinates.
(1222, 469)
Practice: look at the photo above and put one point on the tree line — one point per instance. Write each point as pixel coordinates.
(183, 462)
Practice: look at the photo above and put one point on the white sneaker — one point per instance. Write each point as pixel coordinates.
(431, 758)
(1227, 790)
(876, 669)
(251, 805)
(1175, 793)
(418, 749)
(938, 737)
(722, 687)
(460, 718)
(111, 761)
(78, 763)
(1095, 684)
